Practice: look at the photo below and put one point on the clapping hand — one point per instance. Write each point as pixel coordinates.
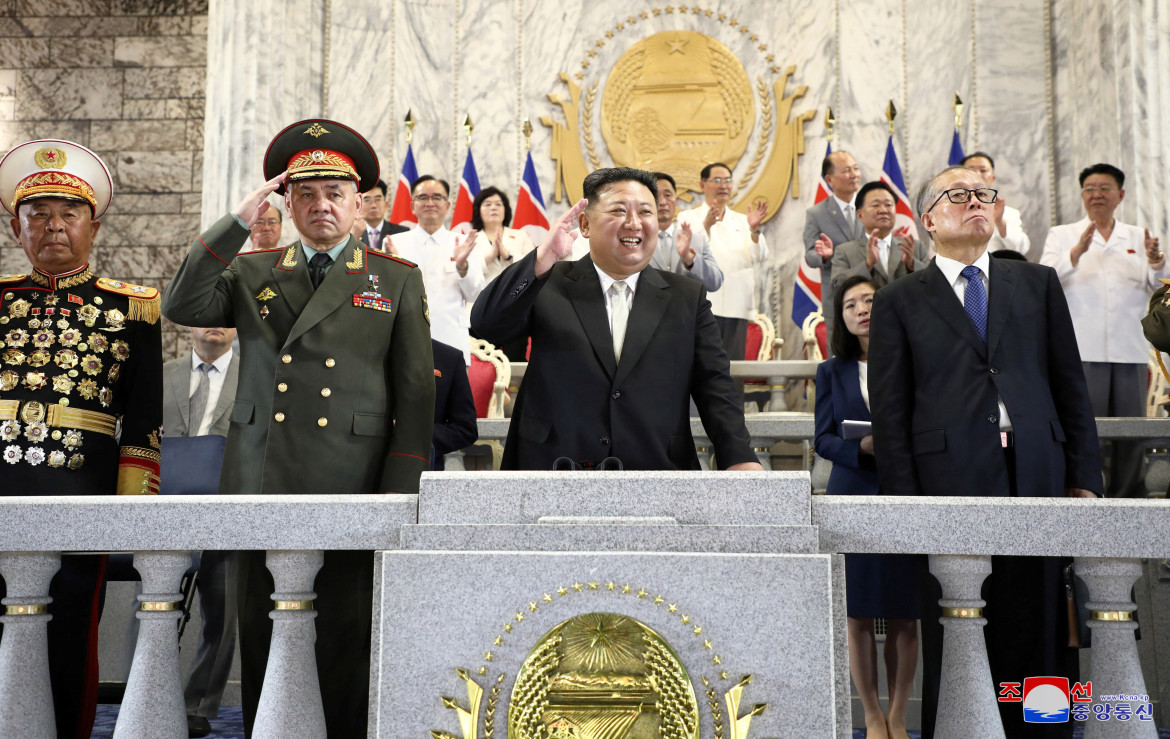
(756, 215)
(1153, 253)
(714, 215)
(256, 203)
(1082, 244)
(558, 242)
(463, 250)
(682, 244)
(908, 251)
(824, 247)
(872, 254)
(388, 246)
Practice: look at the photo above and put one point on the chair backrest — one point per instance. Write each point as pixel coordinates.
(815, 338)
(761, 338)
(1157, 384)
(489, 374)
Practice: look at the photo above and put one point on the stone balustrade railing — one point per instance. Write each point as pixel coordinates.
(764, 511)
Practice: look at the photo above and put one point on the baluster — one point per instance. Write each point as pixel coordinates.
(1114, 667)
(967, 704)
(26, 696)
(779, 387)
(153, 703)
(290, 700)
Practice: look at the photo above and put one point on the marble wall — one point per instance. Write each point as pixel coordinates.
(126, 79)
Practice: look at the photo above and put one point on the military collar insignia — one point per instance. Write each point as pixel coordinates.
(58, 282)
(289, 260)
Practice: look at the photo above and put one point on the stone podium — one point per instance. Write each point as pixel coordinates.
(610, 604)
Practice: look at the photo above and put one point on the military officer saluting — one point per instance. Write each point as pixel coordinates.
(336, 387)
(80, 383)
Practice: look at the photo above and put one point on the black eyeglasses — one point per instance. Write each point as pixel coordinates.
(962, 196)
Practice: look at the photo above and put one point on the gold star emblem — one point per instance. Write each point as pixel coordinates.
(723, 674)
(547, 598)
(697, 630)
(717, 660)
(609, 34)
(685, 619)
(488, 656)
(482, 670)
(676, 46)
(763, 47)
(621, 26)
(316, 130)
(519, 617)
(672, 608)
(645, 15)
(669, 9)
(707, 644)
(532, 606)
(499, 640)
(658, 600)
(562, 590)
(626, 588)
(508, 628)
(611, 585)
(593, 586)
(642, 593)
(577, 587)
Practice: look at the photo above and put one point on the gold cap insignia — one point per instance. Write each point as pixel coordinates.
(316, 130)
(50, 158)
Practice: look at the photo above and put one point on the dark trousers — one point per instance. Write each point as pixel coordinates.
(734, 331)
(78, 591)
(345, 589)
(1026, 633)
(1117, 389)
(217, 639)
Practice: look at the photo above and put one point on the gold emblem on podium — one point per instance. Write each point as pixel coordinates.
(677, 100)
(603, 676)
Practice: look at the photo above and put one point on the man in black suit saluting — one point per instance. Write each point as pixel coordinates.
(617, 348)
(976, 388)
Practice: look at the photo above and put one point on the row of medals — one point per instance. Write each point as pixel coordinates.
(33, 346)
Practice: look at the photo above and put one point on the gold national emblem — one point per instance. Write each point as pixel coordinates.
(603, 675)
(50, 158)
(676, 101)
(316, 130)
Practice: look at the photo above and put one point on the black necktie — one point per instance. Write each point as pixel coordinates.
(317, 266)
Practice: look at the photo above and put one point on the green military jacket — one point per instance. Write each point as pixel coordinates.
(336, 387)
(1156, 324)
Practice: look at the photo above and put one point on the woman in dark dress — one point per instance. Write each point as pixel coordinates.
(877, 585)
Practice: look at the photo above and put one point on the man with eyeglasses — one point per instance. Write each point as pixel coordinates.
(832, 221)
(265, 232)
(452, 280)
(977, 390)
(1108, 270)
(740, 250)
(372, 228)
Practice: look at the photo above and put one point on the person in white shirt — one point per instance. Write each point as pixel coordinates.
(497, 244)
(739, 248)
(1009, 227)
(1108, 270)
(452, 280)
(681, 249)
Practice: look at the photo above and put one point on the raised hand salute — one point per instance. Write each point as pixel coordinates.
(558, 242)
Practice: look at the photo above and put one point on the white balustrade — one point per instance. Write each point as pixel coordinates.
(26, 698)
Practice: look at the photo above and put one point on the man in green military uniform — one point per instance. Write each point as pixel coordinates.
(336, 387)
(1156, 324)
(79, 356)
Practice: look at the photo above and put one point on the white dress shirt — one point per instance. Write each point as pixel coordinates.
(846, 209)
(1014, 238)
(449, 295)
(863, 376)
(215, 378)
(951, 269)
(1108, 291)
(730, 241)
(607, 281)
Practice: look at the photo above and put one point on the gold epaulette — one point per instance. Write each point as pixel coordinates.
(13, 278)
(145, 302)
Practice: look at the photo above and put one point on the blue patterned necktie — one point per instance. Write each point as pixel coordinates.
(975, 300)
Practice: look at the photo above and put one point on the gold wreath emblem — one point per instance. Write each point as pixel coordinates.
(50, 158)
(676, 101)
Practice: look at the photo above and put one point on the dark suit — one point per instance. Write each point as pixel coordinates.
(455, 426)
(576, 401)
(826, 218)
(336, 395)
(217, 569)
(934, 387)
(388, 229)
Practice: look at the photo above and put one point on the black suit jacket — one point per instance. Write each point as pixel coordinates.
(934, 385)
(455, 426)
(577, 402)
(388, 229)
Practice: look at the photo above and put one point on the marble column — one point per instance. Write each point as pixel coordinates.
(1114, 667)
(290, 699)
(26, 698)
(265, 70)
(966, 697)
(153, 704)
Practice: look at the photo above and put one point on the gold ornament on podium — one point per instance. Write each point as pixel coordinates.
(677, 100)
